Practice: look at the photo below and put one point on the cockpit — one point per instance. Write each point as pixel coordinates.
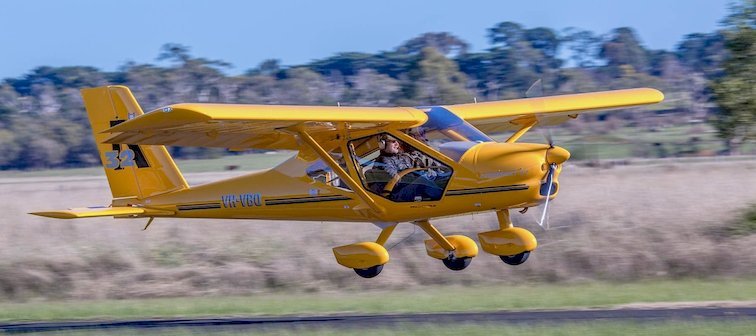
(404, 171)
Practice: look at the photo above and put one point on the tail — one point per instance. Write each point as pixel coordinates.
(133, 171)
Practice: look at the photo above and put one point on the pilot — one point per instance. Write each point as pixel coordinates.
(393, 160)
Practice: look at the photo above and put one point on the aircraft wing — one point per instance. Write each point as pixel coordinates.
(510, 115)
(102, 212)
(252, 126)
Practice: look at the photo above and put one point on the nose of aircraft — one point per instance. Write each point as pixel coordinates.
(557, 155)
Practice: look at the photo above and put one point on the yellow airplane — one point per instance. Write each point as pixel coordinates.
(382, 165)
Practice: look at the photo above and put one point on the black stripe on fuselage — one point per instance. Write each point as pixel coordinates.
(206, 206)
(513, 187)
(280, 201)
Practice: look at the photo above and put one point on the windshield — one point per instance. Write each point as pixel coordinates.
(446, 126)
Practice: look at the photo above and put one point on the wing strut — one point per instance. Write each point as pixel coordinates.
(525, 128)
(356, 187)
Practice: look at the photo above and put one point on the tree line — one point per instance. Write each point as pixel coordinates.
(43, 123)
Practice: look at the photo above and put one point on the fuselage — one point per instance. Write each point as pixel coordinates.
(486, 176)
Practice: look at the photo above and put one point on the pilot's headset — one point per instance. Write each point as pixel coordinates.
(382, 141)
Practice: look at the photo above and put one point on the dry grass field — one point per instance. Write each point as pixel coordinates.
(626, 223)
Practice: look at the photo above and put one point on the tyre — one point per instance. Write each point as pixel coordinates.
(515, 259)
(369, 272)
(457, 264)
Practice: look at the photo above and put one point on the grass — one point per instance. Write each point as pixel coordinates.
(429, 299)
(669, 328)
(624, 224)
(745, 223)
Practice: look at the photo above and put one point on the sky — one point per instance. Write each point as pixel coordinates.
(108, 34)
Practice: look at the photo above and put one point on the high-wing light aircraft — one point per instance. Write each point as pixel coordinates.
(353, 164)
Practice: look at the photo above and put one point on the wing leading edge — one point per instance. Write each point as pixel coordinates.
(252, 126)
(508, 115)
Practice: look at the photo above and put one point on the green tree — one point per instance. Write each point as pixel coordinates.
(268, 67)
(703, 53)
(9, 148)
(436, 80)
(370, 88)
(583, 46)
(347, 64)
(304, 86)
(191, 78)
(735, 92)
(445, 43)
(622, 50)
(518, 57)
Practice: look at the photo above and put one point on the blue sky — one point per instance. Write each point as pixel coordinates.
(107, 34)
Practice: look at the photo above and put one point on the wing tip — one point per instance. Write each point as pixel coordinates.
(656, 96)
(59, 214)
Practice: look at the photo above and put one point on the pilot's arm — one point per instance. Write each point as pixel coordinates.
(388, 166)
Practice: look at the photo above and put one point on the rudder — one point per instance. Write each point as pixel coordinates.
(133, 171)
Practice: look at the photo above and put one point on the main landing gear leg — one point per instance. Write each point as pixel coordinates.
(455, 251)
(385, 234)
(513, 245)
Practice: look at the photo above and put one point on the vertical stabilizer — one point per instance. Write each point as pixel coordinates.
(133, 171)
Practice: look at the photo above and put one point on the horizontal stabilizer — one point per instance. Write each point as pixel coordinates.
(102, 212)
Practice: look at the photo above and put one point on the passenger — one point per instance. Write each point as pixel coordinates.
(419, 159)
(418, 133)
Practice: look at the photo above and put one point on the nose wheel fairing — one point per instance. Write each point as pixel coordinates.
(507, 242)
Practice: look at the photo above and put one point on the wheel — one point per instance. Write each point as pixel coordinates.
(515, 259)
(457, 264)
(369, 272)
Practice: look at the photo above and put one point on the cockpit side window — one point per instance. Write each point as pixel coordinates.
(320, 171)
(394, 169)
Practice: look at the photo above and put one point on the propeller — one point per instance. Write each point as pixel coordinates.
(550, 185)
(553, 157)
